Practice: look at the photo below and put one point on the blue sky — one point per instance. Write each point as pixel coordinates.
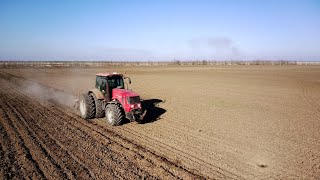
(158, 30)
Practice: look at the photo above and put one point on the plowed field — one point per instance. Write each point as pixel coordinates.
(218, 122)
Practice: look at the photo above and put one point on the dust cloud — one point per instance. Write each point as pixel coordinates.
(48, 94)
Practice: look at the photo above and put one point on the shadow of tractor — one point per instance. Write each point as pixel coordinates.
(153, 110)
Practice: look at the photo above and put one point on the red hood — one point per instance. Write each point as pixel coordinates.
(123, 92)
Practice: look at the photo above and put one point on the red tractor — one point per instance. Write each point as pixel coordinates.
(110, 98)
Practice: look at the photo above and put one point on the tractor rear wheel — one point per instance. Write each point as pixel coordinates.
(99, 106)
(87, 106)
(114, 114)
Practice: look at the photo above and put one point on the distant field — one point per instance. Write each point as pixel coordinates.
(219, 122)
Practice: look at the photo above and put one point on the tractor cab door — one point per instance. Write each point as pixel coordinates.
(114, 82)
(101, 84)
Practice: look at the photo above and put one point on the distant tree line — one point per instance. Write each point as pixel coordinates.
(256, 62)
(44, 64)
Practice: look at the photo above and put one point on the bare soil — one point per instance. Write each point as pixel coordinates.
(215, 122)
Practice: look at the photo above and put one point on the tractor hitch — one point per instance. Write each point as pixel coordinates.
(140, 117)
(136, 115)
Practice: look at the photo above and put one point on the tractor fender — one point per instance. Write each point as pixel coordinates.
(115, 101)
(97, 93)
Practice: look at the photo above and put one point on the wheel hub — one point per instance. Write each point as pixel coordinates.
(82, 107)
(109, 116)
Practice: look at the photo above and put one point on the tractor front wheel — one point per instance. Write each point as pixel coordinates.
(87, 106)
(114, 114)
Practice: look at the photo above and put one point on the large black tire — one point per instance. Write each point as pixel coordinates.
(100, 112)
(87, 106)
(114, 114)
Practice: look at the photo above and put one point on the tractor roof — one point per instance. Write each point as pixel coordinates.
(109, 74)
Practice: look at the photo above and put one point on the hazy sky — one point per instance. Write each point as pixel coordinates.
(159, 30)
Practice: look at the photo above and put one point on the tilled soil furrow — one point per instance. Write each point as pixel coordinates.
(26, 162)
(3, 164)
(70, 164)
(7, 156)
(51, 167)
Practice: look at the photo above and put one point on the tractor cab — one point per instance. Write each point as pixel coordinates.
(106, 82)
